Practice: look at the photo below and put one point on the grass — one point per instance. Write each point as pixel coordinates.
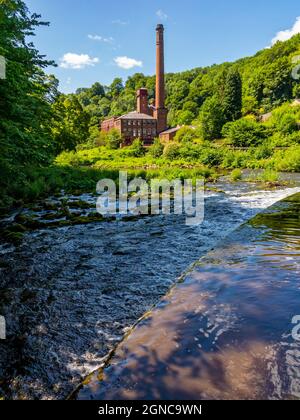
(236, 175)
(39, 183)
(269, 176)
(194, 155)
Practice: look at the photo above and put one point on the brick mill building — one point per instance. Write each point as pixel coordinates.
(146, 122)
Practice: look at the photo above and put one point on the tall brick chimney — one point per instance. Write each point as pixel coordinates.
(142, 101)
(160, 111)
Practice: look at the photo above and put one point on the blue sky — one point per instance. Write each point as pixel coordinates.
(98, 40)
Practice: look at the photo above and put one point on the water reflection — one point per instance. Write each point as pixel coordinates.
(225, 332)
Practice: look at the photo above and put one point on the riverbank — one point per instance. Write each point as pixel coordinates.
(77, 172)
(226, 329)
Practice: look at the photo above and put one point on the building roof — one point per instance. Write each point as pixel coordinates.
(171, 130)
(136, 116)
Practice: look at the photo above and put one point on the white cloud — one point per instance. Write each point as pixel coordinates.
(161, 15)
(108, 40)
(77, 61)
(120, 22)
(127, 63)
(288, 33)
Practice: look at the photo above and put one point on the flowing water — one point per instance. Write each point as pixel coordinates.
(69, 294)
(226, 330)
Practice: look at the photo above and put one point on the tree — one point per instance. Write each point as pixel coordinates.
(185, 117)
(104, 106)
(156, 150)
(70, 123)
(191, 106)
(113, 139)
(124, 103)
(232, 100)
(198, 92)
(245, 132)
(97, 90)
(116, 87)
(211, 119)
(25, 94)
(178, 90)
(135, 82)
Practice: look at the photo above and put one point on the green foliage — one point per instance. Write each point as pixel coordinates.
(269, 175)
(137, 148)
(70, 123)
(250, 105)
(113, 139)
(263, 151)
(232, 96)
(178, 90)
(36, 121)
(185, 135)
(25, 95)
(184, 117)
(157, 149)
(245, 132)
(171, 151)
(284, 119)
(236, 175)
(211, 119)
(251, 85)
(287, 160)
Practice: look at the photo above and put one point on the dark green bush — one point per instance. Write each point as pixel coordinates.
(245, 133)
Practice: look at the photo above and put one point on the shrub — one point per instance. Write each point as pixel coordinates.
(235, 159)
(185, 135)
(67, 159)
(280, 140)
(261, 152)
(137, 148)
(284, 119)
(190, 151)
(245, 132)
(157, 149)
(113, 139)
(236, 175)
(287, 124)
(210, 156)
(287, 160)
(269, 175)
(171, 151)
(293, 138)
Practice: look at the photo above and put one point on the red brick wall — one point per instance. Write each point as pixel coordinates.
(145, 130)
(142, 101)
(108, 124)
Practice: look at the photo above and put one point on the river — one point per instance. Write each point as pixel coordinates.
(69, 294)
